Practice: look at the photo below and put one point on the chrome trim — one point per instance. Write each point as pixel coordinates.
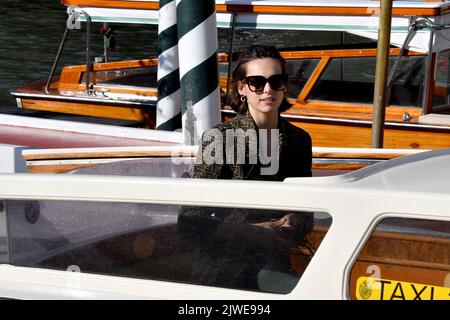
(88, 51)
(369, 123)
(345, 161)
(19, 103)
(428, 71)
(358, 122)
(123, 86)
(230, 55)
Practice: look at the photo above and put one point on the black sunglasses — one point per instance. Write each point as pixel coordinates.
(257, 83)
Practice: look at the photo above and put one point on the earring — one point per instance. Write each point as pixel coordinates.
(243, 98)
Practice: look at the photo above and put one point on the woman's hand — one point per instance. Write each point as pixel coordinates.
(279, 224)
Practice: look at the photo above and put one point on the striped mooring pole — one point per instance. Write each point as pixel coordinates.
(168, 111)
(197, 47)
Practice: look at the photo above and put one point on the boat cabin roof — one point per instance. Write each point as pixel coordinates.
(339, 3)
(353, 16)
(426, 172)
(279, 3)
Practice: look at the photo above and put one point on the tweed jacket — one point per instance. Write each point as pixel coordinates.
(294, 153)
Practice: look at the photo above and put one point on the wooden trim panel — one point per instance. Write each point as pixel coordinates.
(342, 53)
(317, 10)
(351, 11)
(87, 109)
(330, 109)
(118, 152)
(130, 64)
(325, 134)
(149, 5)
(318, 71)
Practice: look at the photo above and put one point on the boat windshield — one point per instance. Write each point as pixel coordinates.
(352, 80)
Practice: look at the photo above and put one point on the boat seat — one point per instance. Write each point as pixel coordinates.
(155, 167)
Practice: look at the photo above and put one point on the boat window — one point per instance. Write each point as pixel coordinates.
(404, 258)
(290, 39)
(173, 167)
(221, 247)
(140, 77)
(126, 42)
(441, 96)
(299, 72)
(352, 80)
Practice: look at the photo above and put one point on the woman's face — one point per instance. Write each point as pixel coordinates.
(267, 100)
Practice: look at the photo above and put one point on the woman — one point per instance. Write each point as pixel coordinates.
(259, 82)
(236, 244)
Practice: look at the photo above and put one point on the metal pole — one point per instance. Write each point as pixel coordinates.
(230, 56)
(105, 47)
(55, 63)
(379, 97)
(88, 54)
(409, 36)
(428, 70)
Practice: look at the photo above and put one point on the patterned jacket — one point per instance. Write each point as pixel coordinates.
(294, 156)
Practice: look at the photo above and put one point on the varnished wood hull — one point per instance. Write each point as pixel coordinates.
(358, 135)
(343, 133)
(325, 132)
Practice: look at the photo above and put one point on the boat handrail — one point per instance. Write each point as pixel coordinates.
(414, 25)
(230, 54)
(55, 63)
(71, 21)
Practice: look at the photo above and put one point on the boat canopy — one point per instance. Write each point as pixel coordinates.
(353, 16)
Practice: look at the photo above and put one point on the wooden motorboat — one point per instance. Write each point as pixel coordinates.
(331, 87)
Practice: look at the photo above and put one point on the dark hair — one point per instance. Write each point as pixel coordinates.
(253, 52)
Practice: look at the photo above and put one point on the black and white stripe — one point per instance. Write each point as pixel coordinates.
(197, 45)
(168, 114)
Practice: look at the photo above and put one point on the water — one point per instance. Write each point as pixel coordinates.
(30, 32)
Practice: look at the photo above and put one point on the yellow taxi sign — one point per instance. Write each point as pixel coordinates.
(383, 289)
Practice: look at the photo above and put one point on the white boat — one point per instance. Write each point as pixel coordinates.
(112, 231)
(379, 233)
